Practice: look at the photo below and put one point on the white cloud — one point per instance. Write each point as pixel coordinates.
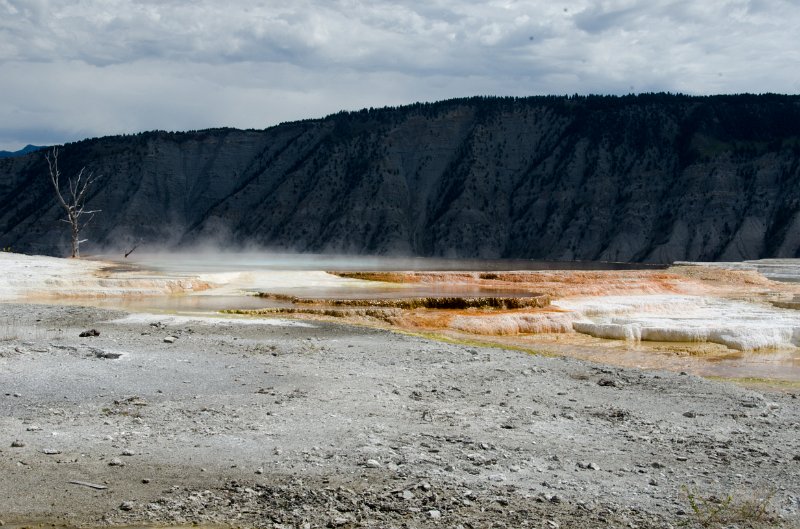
(93, 67)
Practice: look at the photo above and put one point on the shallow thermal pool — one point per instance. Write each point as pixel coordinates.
(242, 274)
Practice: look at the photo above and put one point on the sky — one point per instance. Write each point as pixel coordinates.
(86, 68)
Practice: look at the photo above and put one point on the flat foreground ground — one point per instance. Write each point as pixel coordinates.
(303, 424)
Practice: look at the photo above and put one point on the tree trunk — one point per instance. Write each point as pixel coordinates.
(76, 253)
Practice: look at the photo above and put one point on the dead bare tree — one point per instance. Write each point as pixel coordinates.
(74, 204)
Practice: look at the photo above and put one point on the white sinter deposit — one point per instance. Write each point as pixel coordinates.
(741, 325)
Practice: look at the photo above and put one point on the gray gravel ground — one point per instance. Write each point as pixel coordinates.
(295, 424)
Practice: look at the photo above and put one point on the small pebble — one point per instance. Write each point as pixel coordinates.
(17, 444)
(371, 463)
(126, 506)
(116, 462)
(435, 514)
(170, 339)
(128, 453)
(145, 481)
(260, 470)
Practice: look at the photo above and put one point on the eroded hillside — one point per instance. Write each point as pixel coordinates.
(652, 178)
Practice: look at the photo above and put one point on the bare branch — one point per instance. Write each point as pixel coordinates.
(54, 174)
(132, 249)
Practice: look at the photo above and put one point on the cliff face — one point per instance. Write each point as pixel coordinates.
(651, 178)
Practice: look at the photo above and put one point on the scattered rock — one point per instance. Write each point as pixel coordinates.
(435, 514)
(33, 428)
(407, 495)
(128, 452)
(653, 482)
(17, 444)
(126, 506)
(260, 470)
(371, 463)
(116, 462)
(690, 414)
(607, 382)
(108, 355)
(51, 451)
(145, 481)
(552, 524)
(90, 332)
(169, 339)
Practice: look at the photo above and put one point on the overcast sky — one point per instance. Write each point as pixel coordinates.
(83, 68)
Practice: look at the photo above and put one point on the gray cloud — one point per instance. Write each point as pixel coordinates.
(108, 66)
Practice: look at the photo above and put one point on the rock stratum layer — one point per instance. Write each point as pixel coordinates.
(648, 178)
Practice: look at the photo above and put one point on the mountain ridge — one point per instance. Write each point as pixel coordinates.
(645, 178)
(25, 150)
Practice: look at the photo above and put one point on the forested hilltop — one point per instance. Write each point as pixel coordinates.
(651, 178)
